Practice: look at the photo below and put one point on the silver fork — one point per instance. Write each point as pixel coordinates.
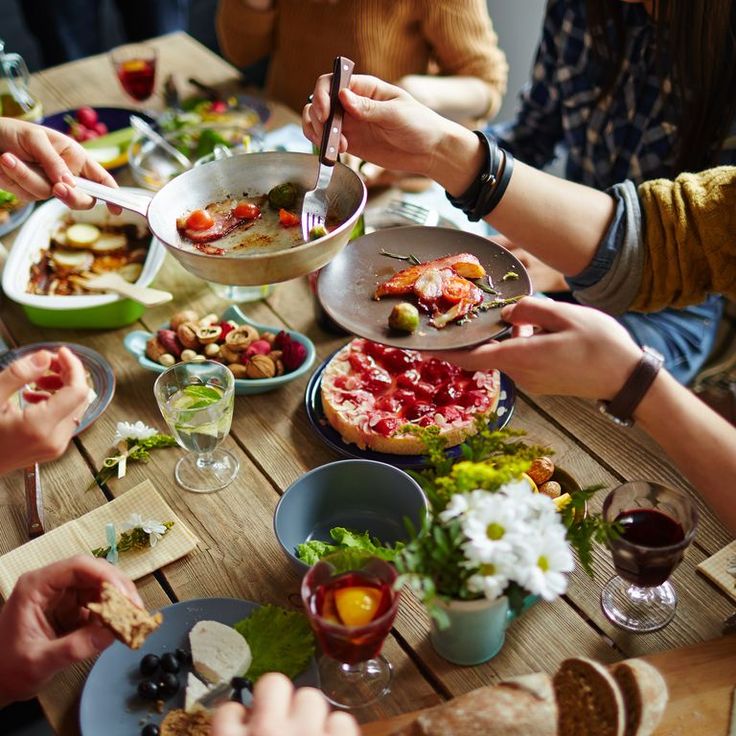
(414, 212)
(314, 208)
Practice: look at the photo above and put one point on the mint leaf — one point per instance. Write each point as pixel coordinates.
(206, 394)
(279, 640)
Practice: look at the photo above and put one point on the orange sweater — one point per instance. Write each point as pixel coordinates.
(387, 38)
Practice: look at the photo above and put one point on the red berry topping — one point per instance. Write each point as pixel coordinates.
(258, 347)
(293, 355)
(408, 379)
(375, 380)
(418, 409)
(386, 426)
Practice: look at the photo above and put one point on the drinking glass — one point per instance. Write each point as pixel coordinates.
(658, 524)
(351, 612)
(135, 66)
(196, 400)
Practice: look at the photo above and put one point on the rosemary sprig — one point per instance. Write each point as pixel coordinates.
(480, 283)
(135, 538)
(411, 258)
(496, 303)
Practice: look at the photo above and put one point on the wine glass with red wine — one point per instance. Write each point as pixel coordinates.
(351, 609)
(657, 525)
(135, 66)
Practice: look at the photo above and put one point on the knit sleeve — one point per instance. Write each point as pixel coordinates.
(690, 227)
(464, 44)
(245, 35)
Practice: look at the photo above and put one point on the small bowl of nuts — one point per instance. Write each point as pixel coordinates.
(547, 478)
(261, 358)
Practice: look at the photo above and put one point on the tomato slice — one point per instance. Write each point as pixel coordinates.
(200, 220)
(288, 219)
(247, 211)
(456, 289)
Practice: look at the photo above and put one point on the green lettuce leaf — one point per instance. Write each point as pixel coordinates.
(347, 539)
(312, 552)
(279, 640)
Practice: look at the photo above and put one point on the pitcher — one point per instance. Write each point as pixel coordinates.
(15, 99)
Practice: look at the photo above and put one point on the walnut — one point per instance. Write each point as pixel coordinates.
(209, 334)
(260, 366)
(242, 336)
(187, 315)
(275, 356)
(551, 488)
(269, 337)
(541, 470)
(238, 370)
(229, 356)
(187, 334)
(154, 349)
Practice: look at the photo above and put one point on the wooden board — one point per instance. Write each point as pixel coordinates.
(700, 678)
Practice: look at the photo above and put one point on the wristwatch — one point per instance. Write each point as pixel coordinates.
(620, 409)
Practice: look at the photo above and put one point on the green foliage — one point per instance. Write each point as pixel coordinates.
(313, 551)
(279, 640)
(138, 450)
(134, 538)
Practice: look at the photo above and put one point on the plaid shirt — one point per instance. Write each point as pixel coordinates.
(630, 135)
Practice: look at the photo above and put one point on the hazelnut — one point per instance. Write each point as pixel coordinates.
(551, 488)
(541, 470)
(242, 336)
(170, 341)
(229, 356)
(269, 337)
(212, 350)
(198, 358)
(280, 370)
(187, 334)
(188, 355)
(238, 370)
(187, 315)
(260, 366)
(154, 349)
(209, 319)
(209, 334)
(167, 360)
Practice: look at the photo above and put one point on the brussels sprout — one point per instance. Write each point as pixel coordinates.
(404, 317)
(317, 232)
(283, 196)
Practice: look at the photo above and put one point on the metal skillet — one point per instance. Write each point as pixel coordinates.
(253, 174)
(345, 287)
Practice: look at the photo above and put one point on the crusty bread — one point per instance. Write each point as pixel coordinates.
(129, 623)
(524, 706)
(180, 723)
(645, 695)
(589, 701)
(218, 651)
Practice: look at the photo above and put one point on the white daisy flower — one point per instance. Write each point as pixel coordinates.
(492, 529)
(546, 559)
(458, 505)
(133, 431)
(133, 521)
(489, 581)
(154, 529)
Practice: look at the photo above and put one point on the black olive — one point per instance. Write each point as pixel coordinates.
(150, 730)
(148, 689)
(183, 656)
(169, 685)
(169, 662)
(240, 683)
(149, 664)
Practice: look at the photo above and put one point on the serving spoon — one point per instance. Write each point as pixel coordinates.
(116, 283)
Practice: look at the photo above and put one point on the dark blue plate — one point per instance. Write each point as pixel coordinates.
(331, 437)
(109, 703)
(114, 117)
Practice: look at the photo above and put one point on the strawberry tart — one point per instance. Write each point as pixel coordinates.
(371, 391)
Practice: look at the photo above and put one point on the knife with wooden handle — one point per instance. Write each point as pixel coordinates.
(34, 501)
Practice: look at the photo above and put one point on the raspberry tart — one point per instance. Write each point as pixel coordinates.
(371, 391)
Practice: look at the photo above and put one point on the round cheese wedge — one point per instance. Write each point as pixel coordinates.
(218, 651)
(370, 392)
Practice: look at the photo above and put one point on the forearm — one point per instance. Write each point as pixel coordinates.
(700, 442)
(245, 34)
(454, 97)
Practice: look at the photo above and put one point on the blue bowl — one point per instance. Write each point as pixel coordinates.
(135, 344)
(361, 495)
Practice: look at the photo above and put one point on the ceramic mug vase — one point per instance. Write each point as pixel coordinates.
(476, 629)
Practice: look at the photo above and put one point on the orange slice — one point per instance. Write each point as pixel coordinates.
(357, 605)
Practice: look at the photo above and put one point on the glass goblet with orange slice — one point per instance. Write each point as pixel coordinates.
(135, 66)
(351, 609)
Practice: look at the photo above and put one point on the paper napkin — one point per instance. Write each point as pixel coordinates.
(88, 532)
(720, 568)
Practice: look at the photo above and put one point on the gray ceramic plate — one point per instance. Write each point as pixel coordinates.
(110, 704)
(346, 285)
(16, 219)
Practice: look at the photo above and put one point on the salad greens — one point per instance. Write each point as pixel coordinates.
(347, 539)
(7, 199)
(279, 640)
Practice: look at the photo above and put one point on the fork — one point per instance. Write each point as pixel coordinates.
(314, 207)
(414, 212)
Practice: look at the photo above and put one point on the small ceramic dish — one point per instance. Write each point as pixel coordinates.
(75, 311)
(360, 495)
(135, 344)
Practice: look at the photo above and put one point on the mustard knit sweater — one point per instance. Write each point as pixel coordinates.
(386, 38)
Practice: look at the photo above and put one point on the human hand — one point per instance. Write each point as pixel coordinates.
(40, 431)
(39, 162)
(279, 710)
(45, 625)
(578, 351)
(542, 276)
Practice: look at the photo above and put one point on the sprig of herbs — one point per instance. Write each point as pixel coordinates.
(411, 258)
(135, 538)
(134, 449)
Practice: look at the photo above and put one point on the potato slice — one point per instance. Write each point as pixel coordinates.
(81, 235)
(108, 242)
(69, 260)
(131, 272)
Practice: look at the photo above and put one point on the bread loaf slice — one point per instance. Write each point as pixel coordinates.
(524, 706)
(589, 701)
(645, 695)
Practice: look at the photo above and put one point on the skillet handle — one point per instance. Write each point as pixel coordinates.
(127, 200)
(342, 70)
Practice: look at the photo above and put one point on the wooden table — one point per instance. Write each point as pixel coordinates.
(238, 555)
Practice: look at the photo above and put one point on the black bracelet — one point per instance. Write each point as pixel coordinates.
(487, 189)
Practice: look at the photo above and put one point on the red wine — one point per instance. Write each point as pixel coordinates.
(137, 77)
(654, 533)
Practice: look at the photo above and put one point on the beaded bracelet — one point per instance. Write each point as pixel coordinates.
(489, 186)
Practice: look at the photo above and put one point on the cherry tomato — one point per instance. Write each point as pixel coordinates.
(288, 219)
(456, 289)
(87, 116)
(200, 220)
(246, 211)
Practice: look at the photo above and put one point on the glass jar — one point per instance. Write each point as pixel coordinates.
(15, 99)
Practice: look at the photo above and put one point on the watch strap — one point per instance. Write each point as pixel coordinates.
(623, 405)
